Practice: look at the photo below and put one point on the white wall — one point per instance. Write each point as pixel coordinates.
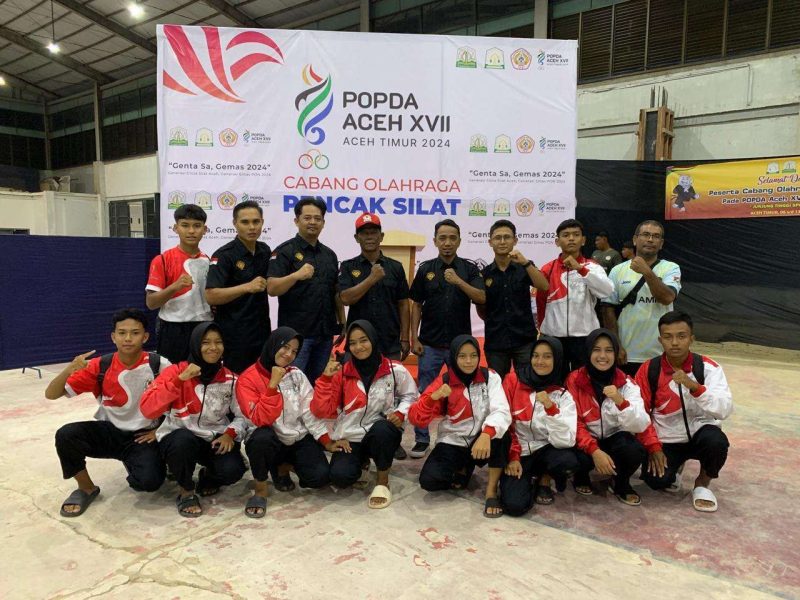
(731, 109)
(130, 178)
(52, 213)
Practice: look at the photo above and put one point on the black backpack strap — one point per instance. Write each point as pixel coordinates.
(485, 373)
(105, 363)
(653, 373)
(631, 297)
(698, 368)
(155, 363)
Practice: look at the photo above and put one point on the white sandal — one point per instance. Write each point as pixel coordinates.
(380, 491)
(703, 493)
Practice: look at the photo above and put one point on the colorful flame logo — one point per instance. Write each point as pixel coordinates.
(193, 68)
(317, 102)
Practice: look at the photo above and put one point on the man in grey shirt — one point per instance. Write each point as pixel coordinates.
(605, 255)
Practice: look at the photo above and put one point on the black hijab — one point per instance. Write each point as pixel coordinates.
(600, 379)
(277, 340)
(455, 347)
(366, 367)
(207, 370)
(539, 383)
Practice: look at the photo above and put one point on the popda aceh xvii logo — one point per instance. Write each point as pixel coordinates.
(314, 104)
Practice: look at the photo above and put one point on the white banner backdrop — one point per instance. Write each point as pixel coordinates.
(414, 128)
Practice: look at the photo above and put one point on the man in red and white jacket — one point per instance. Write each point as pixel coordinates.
(567, 310)
(686, 413)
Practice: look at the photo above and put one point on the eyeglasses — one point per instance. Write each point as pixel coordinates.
(650, 236)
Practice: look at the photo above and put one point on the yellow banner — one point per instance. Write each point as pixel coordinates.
(747, 188)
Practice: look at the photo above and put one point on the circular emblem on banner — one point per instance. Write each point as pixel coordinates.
(525, 144)
(240, 265)
(298, 255)
(355, 273)
(489, 282)
(524, 207)
(430, 276)
(228, 137)
(521, 59)
(226, 200)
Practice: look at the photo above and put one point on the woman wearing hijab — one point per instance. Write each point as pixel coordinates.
(473, 430)
(610, 413)
(198, 396)
(369, 396)
(542, 430)
(276, 397)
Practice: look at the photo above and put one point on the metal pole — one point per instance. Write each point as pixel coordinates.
(98, 133)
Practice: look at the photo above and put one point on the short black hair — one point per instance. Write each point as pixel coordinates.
(676, 316)
(446, 223)
(628, 244)
(603, 234)
(247, 204)
(649, 222)
(569, 223)
(310, 201)
(129, 313)
(190, 211)
(503, 223)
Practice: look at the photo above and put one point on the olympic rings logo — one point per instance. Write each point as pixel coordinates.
(313, 158)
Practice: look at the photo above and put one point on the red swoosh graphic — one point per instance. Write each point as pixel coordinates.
(240, 67)
(316, 77)
(191, 64)
(254, 37)
(174, 85)
(215, 54)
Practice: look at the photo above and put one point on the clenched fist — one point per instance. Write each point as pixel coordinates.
(192, 370)
(276, 376)
(305, 272)
(443, 392)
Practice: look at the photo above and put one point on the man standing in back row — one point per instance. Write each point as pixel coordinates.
(644, 289)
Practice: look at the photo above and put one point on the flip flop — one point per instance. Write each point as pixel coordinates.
(703, 493)
(363, 481)
(584, 489)
(188, 502)
(78, 498)
(492, 503)
(256, 502)
(380, 491)
(205, 490)
(543, 494)
(283, 483)
(624, 497)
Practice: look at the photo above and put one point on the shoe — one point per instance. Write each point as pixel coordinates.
(400, 454)
(419, 450)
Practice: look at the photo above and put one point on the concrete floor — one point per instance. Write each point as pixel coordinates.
(329, 544)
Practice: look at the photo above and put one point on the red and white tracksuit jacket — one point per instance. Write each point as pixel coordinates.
(287, 408)
(202, 409)
(598, 421)
(709, 405)
(481, 408)
(342, 397)
(567, 308)
(533, 426)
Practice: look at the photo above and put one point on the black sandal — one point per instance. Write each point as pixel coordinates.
(283, 483)
(492, 503)
(543, 494)
(256, 502)
(202, 488)
(78, 498)
(186, 502)
(583, 486)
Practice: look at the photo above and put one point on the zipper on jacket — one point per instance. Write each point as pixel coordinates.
(683, 410)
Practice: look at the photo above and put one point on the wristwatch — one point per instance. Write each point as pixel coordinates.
(530, 263)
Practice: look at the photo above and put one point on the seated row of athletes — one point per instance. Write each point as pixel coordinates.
(566, 409)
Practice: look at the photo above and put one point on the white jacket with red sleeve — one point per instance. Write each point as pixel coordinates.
(343, 397)
(202, 409)
(710, 404)
(533, 426)
(600, 419)
(468, 412)
(567, 308)
(287, 408)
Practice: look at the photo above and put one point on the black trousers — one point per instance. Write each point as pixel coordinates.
(709, 445)
(238, 358)
(500, 360)
(626, 452)
(102, 439)
(183, 450)
(517, 494)
(266, 452)
(379, 444)
(446, 460)
(574, 353)
(173, 339)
